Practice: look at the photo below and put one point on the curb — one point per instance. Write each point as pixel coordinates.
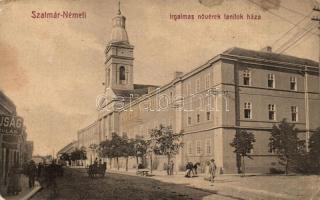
(36, 189)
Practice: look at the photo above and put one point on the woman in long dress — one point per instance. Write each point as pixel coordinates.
(14, 185)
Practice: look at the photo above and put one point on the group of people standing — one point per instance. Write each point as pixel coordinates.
(210, 170)
(45, 174)
(192, 168)
(14, 175)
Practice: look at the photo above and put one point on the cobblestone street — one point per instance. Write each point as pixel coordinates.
(126, 185)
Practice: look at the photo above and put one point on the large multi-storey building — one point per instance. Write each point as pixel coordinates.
(237, 89)
(13, 146)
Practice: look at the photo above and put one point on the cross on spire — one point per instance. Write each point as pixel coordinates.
(119, 11)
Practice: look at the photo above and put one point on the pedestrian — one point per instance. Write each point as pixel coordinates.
(171, 166)
(51, 172)
(32, 173)
(189, 167)
(195, 168)
(212, 170)
(14, 185)
(167, 166)
(40, 170)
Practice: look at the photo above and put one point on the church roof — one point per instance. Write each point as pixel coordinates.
(119, 34)
(138, 91)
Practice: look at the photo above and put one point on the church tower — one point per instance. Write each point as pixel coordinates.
(119, 57)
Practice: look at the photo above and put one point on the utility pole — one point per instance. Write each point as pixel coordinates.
(317, 19)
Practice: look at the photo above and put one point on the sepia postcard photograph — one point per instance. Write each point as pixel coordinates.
(159, 100)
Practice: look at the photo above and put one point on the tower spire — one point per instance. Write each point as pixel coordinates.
(119, 11)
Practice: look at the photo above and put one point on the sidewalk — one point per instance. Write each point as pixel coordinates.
(226, 185)
(26, 192)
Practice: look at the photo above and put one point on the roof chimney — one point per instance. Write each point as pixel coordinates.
(267, 49)
(177, 74)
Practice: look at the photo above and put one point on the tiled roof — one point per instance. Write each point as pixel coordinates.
(138, 91)
(270, 56)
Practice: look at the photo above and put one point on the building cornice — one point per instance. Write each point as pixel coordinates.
(118, 57)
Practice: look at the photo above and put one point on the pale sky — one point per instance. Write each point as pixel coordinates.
(53, 68)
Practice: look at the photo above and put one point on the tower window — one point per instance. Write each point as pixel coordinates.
(122, 74)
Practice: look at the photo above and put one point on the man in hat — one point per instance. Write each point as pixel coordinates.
(212, 170)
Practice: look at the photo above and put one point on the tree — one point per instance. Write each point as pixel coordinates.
(166, 142)
(116, 150)
(105, 150)
(314, 149)
(151, 145)
(127, 149)
(94, 149)
(65, 157)
(243, 144)
(140, 147)
(78, 154)
(284, 141)
(83, 153)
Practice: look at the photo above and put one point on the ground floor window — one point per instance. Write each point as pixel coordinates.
(198, 147)
(189, 148)
(208, 147)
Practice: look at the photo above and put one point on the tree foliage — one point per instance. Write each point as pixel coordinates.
(243, 144)
(78, 154)
(165, 141)
(285, 143)
(127, 148)
(140, 147)
(65, 157)
(105, 150)
(314, 146)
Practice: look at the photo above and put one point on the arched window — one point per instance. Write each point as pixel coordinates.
(122, 74)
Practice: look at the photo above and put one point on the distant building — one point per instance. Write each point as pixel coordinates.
(28, 150)
(68, 149)
(38, 159)
(237, 89)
